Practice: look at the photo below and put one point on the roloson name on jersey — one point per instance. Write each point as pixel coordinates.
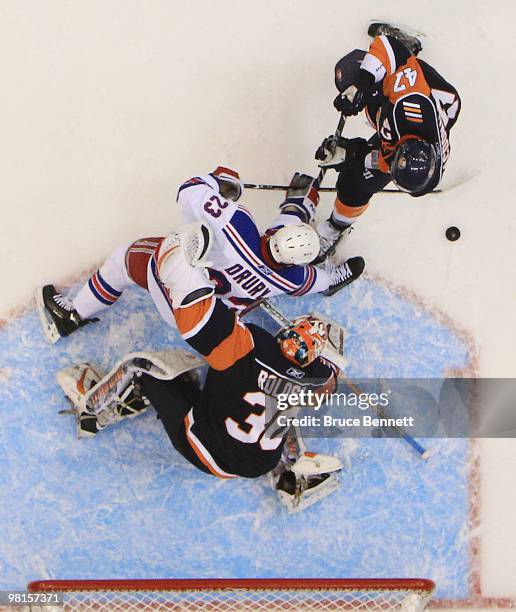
(247, 280)
(273, 385)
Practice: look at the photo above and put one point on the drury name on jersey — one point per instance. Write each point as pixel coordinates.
(239, 268)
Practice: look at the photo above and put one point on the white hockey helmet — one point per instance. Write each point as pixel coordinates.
(231, 186)
(294, 244)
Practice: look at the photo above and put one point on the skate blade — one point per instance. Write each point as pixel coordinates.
(49, 327)
(329, 253)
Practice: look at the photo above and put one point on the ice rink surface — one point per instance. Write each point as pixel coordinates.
(107, 108)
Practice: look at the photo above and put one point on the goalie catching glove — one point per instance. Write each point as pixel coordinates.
(181, 263)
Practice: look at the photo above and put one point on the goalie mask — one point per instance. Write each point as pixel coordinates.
(303, 340)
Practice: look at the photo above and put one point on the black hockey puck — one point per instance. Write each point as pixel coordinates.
(453, 233)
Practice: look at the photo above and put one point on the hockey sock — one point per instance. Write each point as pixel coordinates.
(105, 287)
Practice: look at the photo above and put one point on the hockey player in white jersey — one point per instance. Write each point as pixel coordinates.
(247, 266)
(244, 265)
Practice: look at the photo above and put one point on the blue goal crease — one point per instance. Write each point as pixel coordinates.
(125, 505)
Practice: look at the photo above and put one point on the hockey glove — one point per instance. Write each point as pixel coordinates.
(356, 151)
(230, 184)
(302, 197)
(326, 148)
(301, 184)
(365, 86)
(348, 154)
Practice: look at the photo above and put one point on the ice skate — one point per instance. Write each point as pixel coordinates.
(410, 38)
(330, 236)
(58, 316)
(343, 274)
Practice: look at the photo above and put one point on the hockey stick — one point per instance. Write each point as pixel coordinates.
(266, 187)
(336, 136)
(335, 357)
(322, 171)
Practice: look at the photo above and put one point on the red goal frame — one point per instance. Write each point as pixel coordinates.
(241, 594)
(219, 584)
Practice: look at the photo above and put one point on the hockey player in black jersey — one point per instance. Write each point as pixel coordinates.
(412, 109)
(221, 428)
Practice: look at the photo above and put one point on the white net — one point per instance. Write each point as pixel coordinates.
(293, 595)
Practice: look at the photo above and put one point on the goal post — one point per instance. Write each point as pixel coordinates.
(217, 595)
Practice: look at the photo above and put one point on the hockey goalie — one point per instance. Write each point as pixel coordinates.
(223, 428)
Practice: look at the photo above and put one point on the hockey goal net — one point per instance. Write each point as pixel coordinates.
(406, 595)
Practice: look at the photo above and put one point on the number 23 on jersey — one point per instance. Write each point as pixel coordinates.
(214, 206)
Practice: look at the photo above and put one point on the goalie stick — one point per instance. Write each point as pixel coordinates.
(339, 361)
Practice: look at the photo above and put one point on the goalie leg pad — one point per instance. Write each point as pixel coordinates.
(76, 381)
(101, 400)
(122, 400)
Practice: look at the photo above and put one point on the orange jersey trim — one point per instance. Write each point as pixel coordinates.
(197, 448)
(383, 166)
(379, 50)
(235, 346)
(351, 212)
(187, 319)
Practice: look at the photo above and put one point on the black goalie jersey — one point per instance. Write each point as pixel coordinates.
(226, 427)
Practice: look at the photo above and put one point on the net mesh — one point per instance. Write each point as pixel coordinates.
(411, 598)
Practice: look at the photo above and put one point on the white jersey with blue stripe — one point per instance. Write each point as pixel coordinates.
(239, 269)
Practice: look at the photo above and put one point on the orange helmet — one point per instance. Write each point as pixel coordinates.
(303, 340)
